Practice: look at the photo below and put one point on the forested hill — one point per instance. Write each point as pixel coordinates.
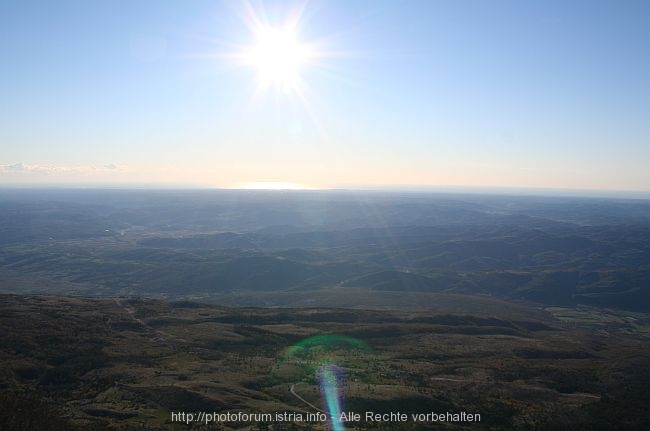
(216, 244)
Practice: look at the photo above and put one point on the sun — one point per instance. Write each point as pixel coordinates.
(279, 57)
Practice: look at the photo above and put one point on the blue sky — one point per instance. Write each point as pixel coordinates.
(549, 94)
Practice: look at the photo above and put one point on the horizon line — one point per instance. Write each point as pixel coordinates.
(410, 189)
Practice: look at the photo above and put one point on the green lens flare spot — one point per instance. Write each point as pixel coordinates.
(324, 344)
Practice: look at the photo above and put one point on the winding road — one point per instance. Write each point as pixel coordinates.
(295, 394)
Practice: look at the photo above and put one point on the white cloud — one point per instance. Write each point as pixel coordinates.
(18, 167)
(54, 169)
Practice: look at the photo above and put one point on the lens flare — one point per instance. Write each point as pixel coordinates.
(330, 378)
(325, 343)
(321, 360)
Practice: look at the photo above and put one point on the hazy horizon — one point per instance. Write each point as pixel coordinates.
(414, 190)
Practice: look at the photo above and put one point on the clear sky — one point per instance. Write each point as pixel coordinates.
(550, 94)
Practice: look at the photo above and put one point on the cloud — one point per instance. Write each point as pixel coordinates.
(18, 167)
(54, 169)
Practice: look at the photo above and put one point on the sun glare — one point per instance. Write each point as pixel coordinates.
(279, 56)
(271, 185)
(276, 50)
